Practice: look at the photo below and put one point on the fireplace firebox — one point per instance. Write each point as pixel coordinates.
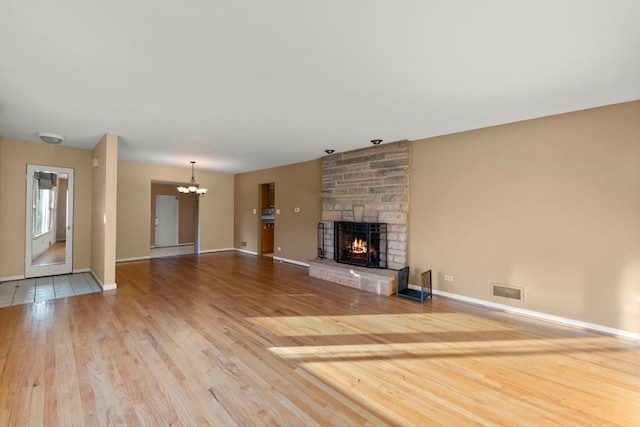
(361, 243)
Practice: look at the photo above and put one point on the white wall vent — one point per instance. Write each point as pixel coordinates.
(505, 291)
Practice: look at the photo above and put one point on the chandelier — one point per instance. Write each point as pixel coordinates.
(193, 188)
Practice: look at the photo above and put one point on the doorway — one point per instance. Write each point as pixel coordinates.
(267, 218)
(49, 221)
(174, 231)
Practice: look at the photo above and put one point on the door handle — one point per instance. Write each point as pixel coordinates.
(68, 227)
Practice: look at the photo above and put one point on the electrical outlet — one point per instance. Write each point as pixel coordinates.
(243, 243)
(448, 278)
(279, 248)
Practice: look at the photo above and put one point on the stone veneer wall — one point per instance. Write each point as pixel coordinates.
(369, 185)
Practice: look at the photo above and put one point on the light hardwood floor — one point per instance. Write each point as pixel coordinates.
(233, 339)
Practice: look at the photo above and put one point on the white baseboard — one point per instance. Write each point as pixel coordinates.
(21, 277)
(141, 258)
(208, 251)
(109, 287)
(11, 278)
(244, 251)
(291, 261)
(538, 315)
(277, 258)
(137, 258)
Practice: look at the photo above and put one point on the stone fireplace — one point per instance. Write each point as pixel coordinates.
(369, 185)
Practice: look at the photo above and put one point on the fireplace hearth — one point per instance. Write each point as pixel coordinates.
(361, 243)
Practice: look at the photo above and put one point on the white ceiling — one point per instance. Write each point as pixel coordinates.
(245, 85)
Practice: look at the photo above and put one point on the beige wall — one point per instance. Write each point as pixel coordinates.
(14, 156)
(104, 197)
(551, 205)
(134, 206)
(297, 185)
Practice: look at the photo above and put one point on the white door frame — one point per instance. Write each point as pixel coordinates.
(31, 270)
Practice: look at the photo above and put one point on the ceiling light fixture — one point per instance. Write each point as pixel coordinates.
(329, 151)
(376, 141)
(193, 188)
(50, 138)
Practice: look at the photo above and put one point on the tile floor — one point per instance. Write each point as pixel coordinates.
(39, 289)
(171, 251)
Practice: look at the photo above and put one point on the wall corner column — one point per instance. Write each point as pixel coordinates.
(104, 204)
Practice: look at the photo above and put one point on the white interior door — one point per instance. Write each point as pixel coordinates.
(167, 211)
(49, 221)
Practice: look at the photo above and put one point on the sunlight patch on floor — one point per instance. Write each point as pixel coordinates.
(384, 323)
(430, 350)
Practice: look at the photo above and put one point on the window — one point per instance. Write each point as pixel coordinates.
(44, 203)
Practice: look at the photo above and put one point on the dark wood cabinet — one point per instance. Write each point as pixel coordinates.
(266, 241)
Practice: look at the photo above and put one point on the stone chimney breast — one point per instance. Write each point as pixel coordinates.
(369, 185)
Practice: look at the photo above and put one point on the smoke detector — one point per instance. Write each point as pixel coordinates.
(50, 138)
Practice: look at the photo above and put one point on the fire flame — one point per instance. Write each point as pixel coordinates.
(359, 246)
